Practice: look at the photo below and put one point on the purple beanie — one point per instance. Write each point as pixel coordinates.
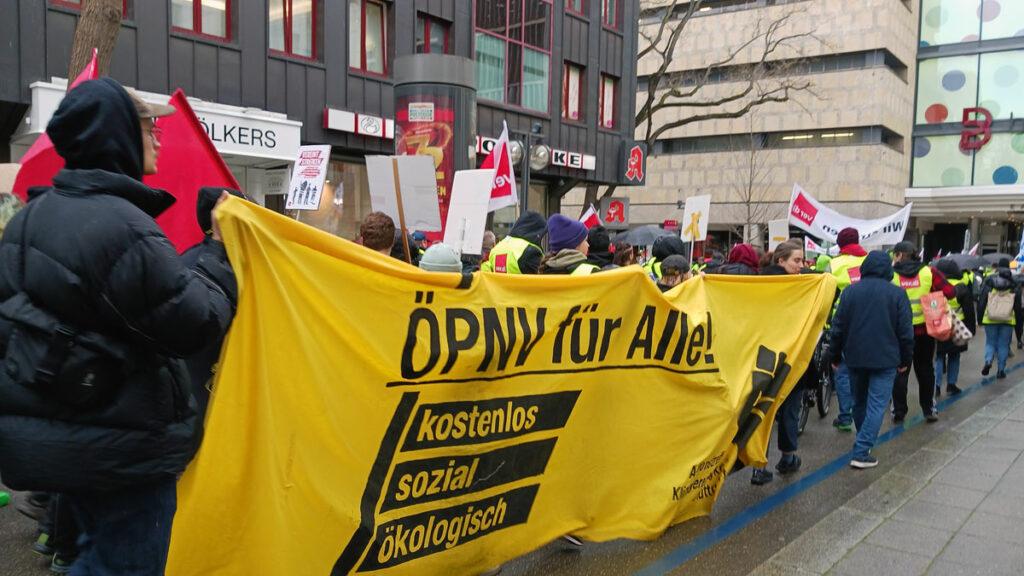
(564, 232)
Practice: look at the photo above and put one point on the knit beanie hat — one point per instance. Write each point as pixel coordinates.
(441, 258)
(565, 232)
(848, 236)
(599, 240)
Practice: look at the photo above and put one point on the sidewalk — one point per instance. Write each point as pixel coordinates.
(954, 508)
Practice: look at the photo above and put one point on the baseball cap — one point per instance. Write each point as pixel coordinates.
(148, 110)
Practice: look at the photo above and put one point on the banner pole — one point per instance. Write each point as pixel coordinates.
(401, 212)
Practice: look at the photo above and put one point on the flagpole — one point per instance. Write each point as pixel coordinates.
(401, 212)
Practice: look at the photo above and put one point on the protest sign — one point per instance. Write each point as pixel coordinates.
(695, 218)
(372, 417)
(308, 176)
(812, 247)
(467, 210)
(813, 217)
(778, 232)
(418, 190)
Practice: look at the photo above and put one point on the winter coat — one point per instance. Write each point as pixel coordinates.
(1001, 280)
(742, 261)
(566, 261)
(600, 259)
(96, 260)
(531, 227)
(873, 327)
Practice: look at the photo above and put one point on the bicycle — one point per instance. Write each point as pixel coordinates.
(819, 395)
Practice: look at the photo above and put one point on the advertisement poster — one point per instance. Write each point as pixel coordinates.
(308, 176)
(424, 126)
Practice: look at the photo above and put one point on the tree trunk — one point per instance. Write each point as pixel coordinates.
(589, 198)
(98, 27)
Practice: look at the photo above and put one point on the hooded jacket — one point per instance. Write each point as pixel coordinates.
(1000, 281)
(965, 298)
(565, 261)
(531, 227)
(873, 327)
(910, 269)
(96, 260)
(742, 261)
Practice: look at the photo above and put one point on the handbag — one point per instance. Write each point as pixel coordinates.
(53, 358)
(936, 316)
(962, 335)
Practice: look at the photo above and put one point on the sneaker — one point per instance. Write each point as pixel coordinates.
(761, 477)
(931, 417)
(61, 564)
(42, 545)
(1001, 375)
(573, 540)
(864, 462)
(953, 390)
(788, 464)
(986, 369)
(842, 427)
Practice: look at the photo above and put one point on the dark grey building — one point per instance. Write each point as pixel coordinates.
(271, 74)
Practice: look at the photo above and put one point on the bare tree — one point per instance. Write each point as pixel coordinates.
(750, 182)
(98, 27)
(766, 78)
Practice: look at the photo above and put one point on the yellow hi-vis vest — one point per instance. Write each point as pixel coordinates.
(846, 270)
(653, 268)
(584, 269)
(954, 304)
(505, 255)
(916, 288)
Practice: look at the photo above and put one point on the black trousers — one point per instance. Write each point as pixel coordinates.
(788, 415)
(924, 369)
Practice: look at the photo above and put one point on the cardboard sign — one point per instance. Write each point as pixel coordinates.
(695, 218)
(467, 210)
(778, 232)
(418, 188)
(308, 176)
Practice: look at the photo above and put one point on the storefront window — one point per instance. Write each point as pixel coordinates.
(1002, 19)
(1001, 161)
(513, 50)
(1002, 84)
(345, 201)
(939, 162)
(949, 21)
(945, 86)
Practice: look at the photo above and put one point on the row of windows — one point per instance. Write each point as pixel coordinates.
(776, 140)
(708, 8)
(956, 21)
(792, 67)
(947, 86)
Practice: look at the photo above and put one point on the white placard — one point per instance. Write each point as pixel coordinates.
(811, 216)
(308, 176)
(778, 232)
(695, 218)
(467, 210)
(419, 190)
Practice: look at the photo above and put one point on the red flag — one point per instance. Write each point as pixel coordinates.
(590, 218)
(503, 189)
(188, 161)
(41, 163)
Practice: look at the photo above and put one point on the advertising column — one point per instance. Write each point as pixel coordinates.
(435, 115)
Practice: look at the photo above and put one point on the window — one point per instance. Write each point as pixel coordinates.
(292, 27)
(367, 36)
(77, 5)
(610, 13)
(431, 36)
(1001, 84)
(513, 52)
(609, 90)
(945, 86)
(572, 92)
(206, 17)
(576, 6)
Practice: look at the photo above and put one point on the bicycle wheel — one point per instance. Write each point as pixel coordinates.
(805, 412)
(823, 394)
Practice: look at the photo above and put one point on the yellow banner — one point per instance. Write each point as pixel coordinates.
(370, 417)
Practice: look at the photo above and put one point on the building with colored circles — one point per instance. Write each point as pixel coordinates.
(967, 172)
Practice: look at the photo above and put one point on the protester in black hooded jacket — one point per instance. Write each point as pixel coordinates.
(96, 260)
(519, 252)
(663, 248)
(600, 254)
(947, 354)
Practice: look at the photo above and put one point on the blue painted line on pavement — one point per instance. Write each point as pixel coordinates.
(749, 515)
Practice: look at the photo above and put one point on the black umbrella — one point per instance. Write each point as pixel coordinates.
(643, 235)
(967, 262)
(995, 257)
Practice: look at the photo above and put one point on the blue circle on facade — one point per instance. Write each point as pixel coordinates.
(954, 80)
(1005, 175)
(925, 44)
(922, 146)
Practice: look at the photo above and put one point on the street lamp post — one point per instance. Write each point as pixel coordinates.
(526, 156)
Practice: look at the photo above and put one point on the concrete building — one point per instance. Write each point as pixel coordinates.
(847, 144)
(560, 72)
(969, 177)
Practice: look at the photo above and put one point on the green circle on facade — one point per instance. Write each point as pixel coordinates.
(953, 177)
(1018, 143)
(936, 17)
(992, 106)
